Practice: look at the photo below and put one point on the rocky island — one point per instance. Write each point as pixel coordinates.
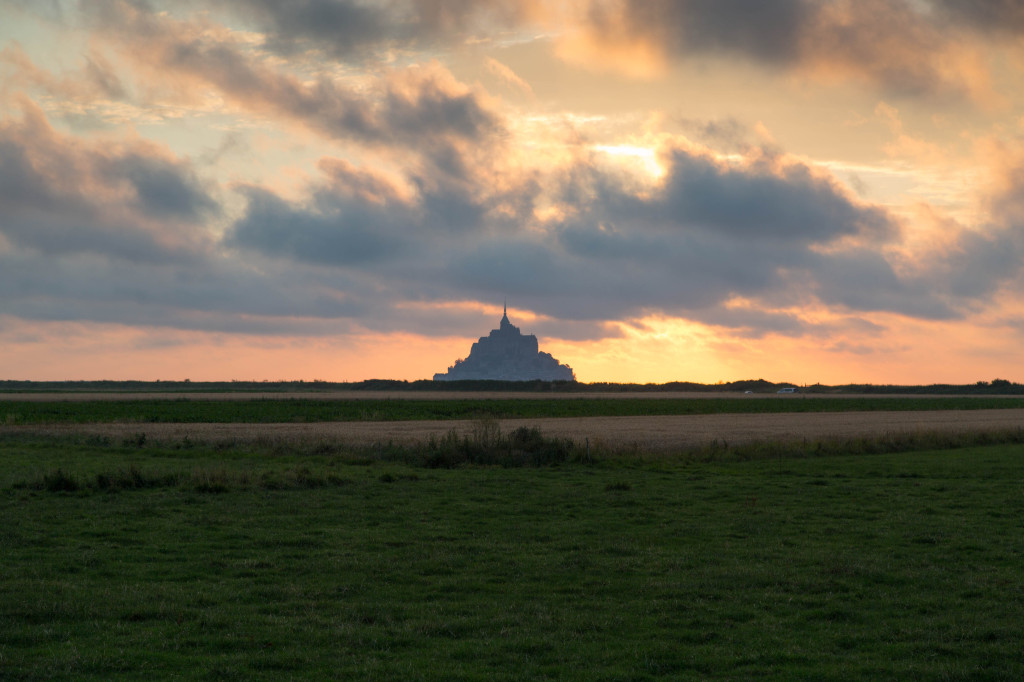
(509, 355)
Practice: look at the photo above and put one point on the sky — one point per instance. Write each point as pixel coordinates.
(813, 191)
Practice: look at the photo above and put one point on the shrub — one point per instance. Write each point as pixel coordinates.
(525, 446)
(133, 479)
(137, 440)
(58, 481)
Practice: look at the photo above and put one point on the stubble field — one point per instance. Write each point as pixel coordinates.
(657, 423)
(659, 434)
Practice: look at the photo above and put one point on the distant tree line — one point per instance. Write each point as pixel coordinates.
(994, 387)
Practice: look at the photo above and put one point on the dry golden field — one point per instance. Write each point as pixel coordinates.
(654, 434)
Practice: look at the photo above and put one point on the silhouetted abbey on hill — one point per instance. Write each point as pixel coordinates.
(509, 355)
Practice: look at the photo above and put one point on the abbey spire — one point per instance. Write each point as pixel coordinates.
(505, 324)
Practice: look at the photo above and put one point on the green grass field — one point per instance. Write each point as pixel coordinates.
(155, 562)
(263, 410)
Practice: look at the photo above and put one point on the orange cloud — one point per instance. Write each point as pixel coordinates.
(633, 56)
(888, 44)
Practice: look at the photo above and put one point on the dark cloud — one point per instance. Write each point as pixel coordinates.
(341, 27)
(401, 109)
(22, 187)
(433, 109)
(761, 228)
(863, 280)
(102, 75)
(571, 330)
(999, 16)
(161, 188)
(712, 232)
(124, 202)
(725, 134)
(982, 261)
(356, 218)
(900, 46)
(762, 203)
(980, 264)
(764, 30)
(349, 28)
(213, 294)
(324, 105)
(117, 233)
(351, 255)
(895, 45)
(753, 323)
(681, 270)
(338, 232)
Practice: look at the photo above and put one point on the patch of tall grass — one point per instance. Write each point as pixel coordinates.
(200, 480)
(485, 445)
(891, 442)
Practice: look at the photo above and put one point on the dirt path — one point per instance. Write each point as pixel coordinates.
(650, 433)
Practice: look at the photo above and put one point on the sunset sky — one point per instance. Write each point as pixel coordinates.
(700, 190)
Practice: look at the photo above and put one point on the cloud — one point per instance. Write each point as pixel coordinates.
(993, 16)
(160, 188)
(121, 231)
(347, 29)
(339, 231)
(725, 134)
(51, 9)
(903, 47)
(398, 108)
(766, 228)
(766, 31)
(763, 200)
(215, 293)
(95, 79)
(360, 218)
(976, 262)
(863, 280)
(889, 44)
(129, 200)
(341, 27)
(506, 74)
(438, 198)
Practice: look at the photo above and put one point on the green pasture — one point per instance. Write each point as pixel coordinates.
(183, 410)
(159, 562)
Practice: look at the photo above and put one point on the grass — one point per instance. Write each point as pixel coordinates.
(241, 564)
(309, 410)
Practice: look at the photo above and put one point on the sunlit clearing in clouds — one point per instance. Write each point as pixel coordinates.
(653, 349)
(659, 349)
(632, 156)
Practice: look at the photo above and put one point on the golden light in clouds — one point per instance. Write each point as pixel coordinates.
(808, 191)
(645, 159)
(634, 58)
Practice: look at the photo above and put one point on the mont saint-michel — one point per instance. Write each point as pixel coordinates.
(509, 355)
